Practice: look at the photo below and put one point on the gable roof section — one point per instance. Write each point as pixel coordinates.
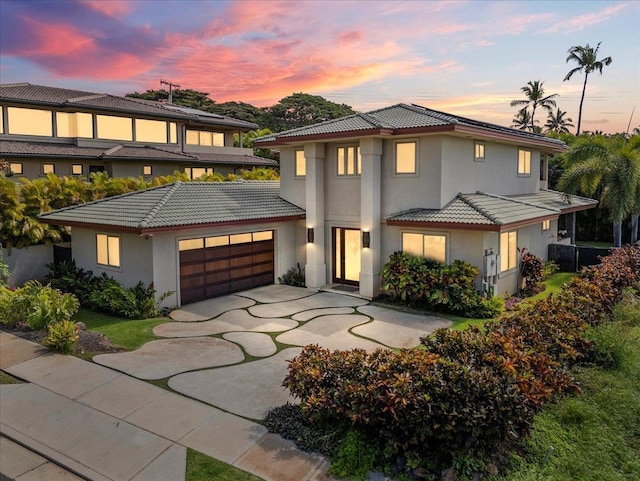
(26, 93)
(479, 211)
(17, 149)
(567, 203)
(181, 205)
(402, 119)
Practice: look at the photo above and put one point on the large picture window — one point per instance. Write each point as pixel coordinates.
(206, 138)
(405, 158)
(30, 121)
(110, 127)
(508, 250)
(151, 131)
(429, 246)
(108, 250)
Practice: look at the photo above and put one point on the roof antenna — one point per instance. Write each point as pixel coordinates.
(170, 84)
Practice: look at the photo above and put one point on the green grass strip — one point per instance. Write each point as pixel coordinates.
(126, 333)
(201, 467)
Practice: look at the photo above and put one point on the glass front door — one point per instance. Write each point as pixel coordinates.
(346, 256)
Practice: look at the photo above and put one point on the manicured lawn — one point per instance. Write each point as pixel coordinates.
(592, 436)
(203, 468)
(125, 333)
(553, 284)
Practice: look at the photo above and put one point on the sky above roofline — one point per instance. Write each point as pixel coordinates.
(468, 58)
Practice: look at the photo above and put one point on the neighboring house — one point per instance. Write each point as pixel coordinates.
(352, 191)
(70, 132)
(414, 179)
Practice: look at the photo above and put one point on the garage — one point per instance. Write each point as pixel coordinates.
(218, 265)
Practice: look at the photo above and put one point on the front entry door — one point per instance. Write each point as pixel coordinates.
(346, 256)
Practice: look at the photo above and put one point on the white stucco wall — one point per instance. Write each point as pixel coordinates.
(497, 174)
(292, 188)
(135, 256)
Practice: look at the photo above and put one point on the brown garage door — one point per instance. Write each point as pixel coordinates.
(214, 266)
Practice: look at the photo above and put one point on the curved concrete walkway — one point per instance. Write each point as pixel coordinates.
(271, 323)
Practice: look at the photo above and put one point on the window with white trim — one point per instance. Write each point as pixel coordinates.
(508, 250)
(349, 161)
(405, 157)
(478, 155)
(524, 162)
(301, 163)
(429, 246)
(108, 250)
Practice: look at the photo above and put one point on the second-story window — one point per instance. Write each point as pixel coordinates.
(300, 163)
(524, 162)
(479, 151)
(151, 131)
(206, 138)
(29, 121)
(110, 127)
(405, 161)
(349, 161)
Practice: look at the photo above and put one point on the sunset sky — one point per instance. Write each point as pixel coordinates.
(464, 57)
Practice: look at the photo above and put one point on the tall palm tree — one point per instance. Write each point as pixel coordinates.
(558, 123)
(522, 120)
(611, 164)
(535, 97)
(586, 57)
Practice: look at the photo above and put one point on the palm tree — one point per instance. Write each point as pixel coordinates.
(534, 93)
(586, 59)
(522, 120)
(558, 123)
(611, 164)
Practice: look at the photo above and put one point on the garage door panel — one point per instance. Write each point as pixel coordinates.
(216, 271)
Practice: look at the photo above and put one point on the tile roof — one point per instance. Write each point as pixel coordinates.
(65, 98)
(397, 119)
(479, 209)
(558, 200)
(17, 148)
(181, 204)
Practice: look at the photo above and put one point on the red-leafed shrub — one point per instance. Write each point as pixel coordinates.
(464, 393)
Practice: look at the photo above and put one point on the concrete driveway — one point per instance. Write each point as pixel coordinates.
(231, 352)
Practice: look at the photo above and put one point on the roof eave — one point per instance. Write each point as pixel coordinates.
(475, 227)
(296, 139)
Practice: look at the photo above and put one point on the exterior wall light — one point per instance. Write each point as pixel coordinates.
(366, 239)
(310, 235)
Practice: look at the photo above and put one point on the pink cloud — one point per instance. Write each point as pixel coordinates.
(111, 8)
(581, 22)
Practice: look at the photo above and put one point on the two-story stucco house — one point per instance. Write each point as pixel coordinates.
(69, 132)
(352, 191)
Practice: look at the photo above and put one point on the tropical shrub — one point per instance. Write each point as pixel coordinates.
(293, 277)
(531, 270)
(105, 294)
(4, 270)
(36, 305)
(466, 394)
(62, 336)
(428, 284)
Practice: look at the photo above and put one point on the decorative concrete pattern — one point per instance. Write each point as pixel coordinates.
(249, 389)
(277, 293)
(254, 343)
(308, 315)
(164, 358)
(316, 301)
(204, 310)
(276, 459)
(397, 329)
(234, 320)
(331, 332)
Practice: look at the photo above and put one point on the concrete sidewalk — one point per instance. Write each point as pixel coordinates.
(103, 425)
